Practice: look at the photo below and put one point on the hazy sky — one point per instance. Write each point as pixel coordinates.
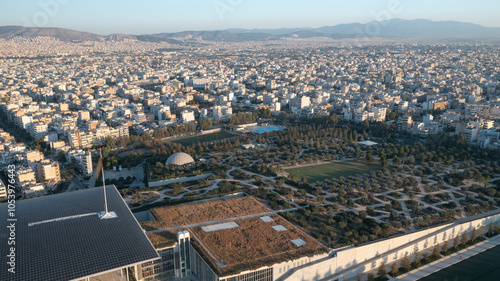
(154, 16)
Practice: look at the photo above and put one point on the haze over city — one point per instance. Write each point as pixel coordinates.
(151, 16)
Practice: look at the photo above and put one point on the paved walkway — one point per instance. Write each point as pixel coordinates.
(183, 179)
(449, 260)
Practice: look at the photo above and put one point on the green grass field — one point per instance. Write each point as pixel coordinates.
(484, 267)
(205, 138)
(334, 170)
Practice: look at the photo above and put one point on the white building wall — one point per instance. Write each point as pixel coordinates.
(387, 250)
(281, 268)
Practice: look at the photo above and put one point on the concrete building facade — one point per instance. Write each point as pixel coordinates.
(48, 171)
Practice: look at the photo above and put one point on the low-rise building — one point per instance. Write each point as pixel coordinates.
(25, 176)
(48, 171)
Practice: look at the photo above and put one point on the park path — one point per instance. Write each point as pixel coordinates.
(406, 211)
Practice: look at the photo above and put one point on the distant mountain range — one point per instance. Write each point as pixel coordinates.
(396, 28)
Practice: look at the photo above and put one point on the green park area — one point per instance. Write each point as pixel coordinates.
(321, 172)
(204, 138)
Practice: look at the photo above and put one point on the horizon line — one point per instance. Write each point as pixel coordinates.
(247, 29)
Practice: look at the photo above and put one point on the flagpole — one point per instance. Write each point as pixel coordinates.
(103, 181)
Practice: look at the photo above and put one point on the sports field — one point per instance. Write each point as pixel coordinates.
(204, 138)
(484, 266)
(334, 170)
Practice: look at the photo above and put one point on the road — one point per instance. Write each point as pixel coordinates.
(75, 184)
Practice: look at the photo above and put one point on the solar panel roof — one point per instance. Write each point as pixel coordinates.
(72, 248)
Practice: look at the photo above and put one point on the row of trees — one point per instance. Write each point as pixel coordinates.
(405, 265)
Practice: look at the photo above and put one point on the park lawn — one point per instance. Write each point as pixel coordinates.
(321, 172)
(204, 138)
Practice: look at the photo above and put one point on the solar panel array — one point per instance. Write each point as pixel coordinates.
(74, 248)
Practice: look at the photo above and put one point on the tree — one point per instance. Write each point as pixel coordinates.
(396, 160)
(456, 242)
(491, 227)
(37, 144)
(405, 263)
(416, 260)
(110, 142)
(105, 151)
(473, 235)
(350, 203)
(342, 224)
(464, 238)
(383, 162)
(435, 252)
(61, 157)
(425, 257)
(357, 154)
(382, 271)
(369, 156)
(444, 248)
(205, 124)
(394, 268)
(370, 277)
(265, 113)
(484, 180)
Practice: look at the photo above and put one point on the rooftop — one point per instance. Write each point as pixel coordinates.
(255, 243)
(163, 239)
(80, 246)
(238, 242)
(204, 211)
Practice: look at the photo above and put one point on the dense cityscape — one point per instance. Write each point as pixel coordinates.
(281, 159)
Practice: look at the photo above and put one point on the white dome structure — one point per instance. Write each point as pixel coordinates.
(179, 159)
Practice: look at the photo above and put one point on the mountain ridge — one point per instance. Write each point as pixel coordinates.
(395, 28)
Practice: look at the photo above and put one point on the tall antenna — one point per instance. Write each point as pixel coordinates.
(105, 214)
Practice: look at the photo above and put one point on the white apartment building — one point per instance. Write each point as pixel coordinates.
(39, 130)
(187, 116)
(84, 160)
